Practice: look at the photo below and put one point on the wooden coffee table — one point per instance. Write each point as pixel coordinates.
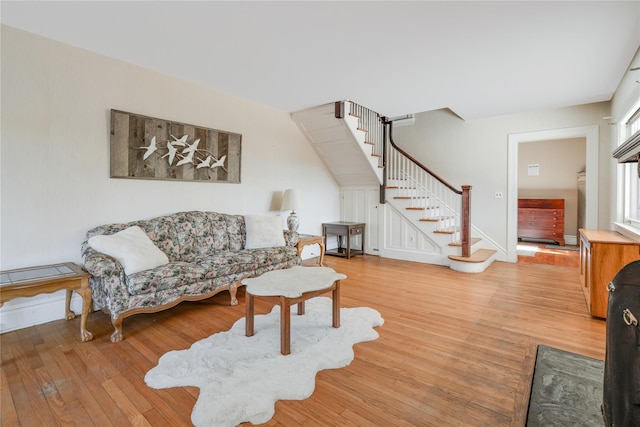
(27, 282)
(292, 286)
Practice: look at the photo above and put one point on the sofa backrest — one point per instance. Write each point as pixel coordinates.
(185, 235)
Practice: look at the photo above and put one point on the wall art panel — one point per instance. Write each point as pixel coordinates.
(149, 148)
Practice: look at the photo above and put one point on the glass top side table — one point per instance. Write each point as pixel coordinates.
(31, 281)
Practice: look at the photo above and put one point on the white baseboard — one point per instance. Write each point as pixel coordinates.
(570, 240)
(25, 312)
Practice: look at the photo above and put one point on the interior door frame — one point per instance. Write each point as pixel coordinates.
(590, 133)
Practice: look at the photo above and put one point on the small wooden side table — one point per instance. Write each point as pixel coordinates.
(344, 231)
(31, 281)
(308, 239)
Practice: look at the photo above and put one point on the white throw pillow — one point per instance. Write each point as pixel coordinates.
(132, 248)
(263, 232)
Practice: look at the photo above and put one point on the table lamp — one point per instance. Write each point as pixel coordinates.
(291, 201)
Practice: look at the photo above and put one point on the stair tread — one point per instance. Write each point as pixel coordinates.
(422, 208)
(410, 197)
(449, 230)
(481, 255)
(435, 219)
(459, 243)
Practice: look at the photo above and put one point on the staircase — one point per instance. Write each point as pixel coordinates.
(356, 145)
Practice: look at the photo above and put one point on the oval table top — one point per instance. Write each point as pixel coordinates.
(292, 282)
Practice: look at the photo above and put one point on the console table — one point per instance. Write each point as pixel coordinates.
(344, 231)
(31, 281)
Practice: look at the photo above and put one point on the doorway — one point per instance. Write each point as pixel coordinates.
(590, 134)
(550, 170)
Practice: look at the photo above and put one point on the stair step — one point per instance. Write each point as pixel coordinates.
(474, 240)
(435, 218)
(397, 187)
(481, 255)
(409, 197)
(376, 155)
(370, 143)
(415, 209)
(363, 130)
(448, 230)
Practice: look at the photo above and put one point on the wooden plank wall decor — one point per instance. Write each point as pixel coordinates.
(149, 148)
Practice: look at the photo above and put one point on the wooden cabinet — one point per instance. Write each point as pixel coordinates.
(541, 219)
(602, 254)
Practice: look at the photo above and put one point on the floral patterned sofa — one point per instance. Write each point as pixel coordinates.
(206, 255)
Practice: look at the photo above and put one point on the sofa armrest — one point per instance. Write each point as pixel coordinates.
(107, 281)
(291, 238)
(98, 264)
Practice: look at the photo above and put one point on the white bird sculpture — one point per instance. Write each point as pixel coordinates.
(204, 163)
(186, 159)
(219, 162)
(172, 152)
(180, 142)
(150, 149)
(191, 148)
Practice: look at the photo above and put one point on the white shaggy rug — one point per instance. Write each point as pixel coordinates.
(240, 378)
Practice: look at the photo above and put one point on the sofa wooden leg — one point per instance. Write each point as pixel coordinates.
(233, 289)
(116, 336)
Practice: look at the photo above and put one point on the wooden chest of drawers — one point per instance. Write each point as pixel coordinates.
(541, 219)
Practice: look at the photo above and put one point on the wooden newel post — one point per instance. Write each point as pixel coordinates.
(466, 220)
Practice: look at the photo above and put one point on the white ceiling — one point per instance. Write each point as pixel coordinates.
(477, 58)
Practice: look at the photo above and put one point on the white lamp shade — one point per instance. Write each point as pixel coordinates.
(291, 200)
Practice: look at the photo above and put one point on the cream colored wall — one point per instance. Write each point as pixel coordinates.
(475, 152)
(54, 157)
(559, 161)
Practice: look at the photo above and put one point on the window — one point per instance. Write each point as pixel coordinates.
(633, 124)
(628, 145)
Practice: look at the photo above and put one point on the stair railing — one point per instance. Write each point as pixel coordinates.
(427, 192)
(369, 122)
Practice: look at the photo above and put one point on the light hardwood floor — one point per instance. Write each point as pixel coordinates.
(455, 350)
